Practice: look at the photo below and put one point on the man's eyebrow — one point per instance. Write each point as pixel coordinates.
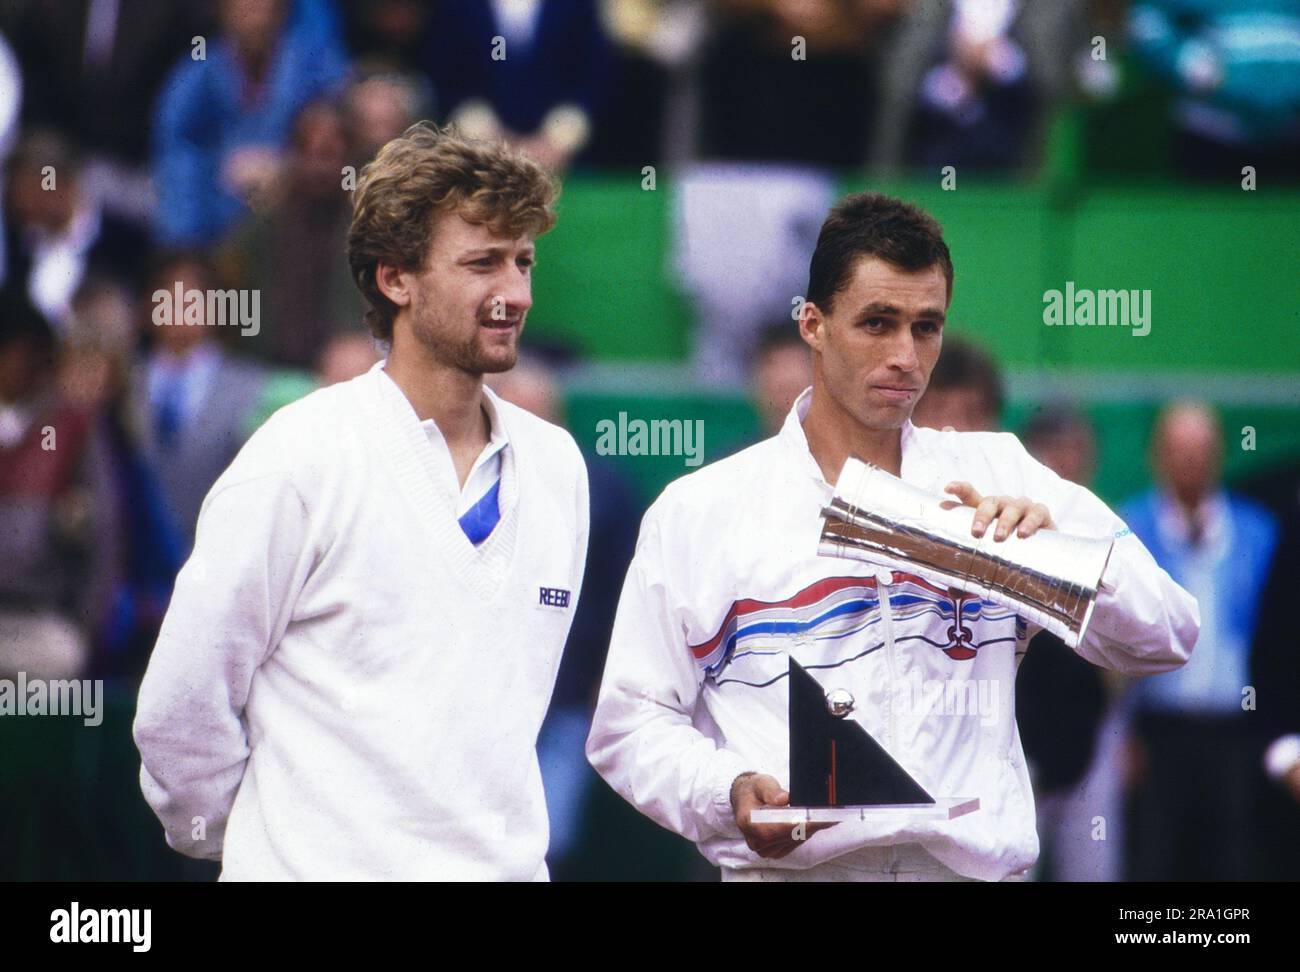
(891, 310)
(494, 250)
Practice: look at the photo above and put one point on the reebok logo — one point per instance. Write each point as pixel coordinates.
(553, 597)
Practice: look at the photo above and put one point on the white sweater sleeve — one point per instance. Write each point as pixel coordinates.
(1143, 623)
(232, 601)
(642, 738)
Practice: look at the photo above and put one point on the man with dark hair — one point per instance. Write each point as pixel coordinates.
(190, 399)
(781, 372)
(965, 391)
(57, 235)
(356, 662)
(727, 583)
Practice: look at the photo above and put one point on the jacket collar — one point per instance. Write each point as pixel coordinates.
(792, 436)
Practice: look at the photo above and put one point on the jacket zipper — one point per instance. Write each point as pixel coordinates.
(884, 579)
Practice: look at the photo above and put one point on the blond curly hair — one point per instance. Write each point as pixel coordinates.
(427, 172)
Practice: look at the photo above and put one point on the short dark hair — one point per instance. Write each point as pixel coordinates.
(776, 336)
(963, 364)
(1052, 421)
(873, 224)
(22, 323)
(46, 146)
(165, 262)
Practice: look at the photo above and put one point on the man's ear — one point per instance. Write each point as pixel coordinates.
(812, 325)
(393, 284)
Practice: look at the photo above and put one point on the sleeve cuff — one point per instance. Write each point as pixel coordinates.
(721, 816)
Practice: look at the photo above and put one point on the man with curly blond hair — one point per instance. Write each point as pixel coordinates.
(358, 656)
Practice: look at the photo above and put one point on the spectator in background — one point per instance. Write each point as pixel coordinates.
(967, 81)
(530, 73)
(56, 234)
(191, 399)
(387, 32)
(347, 356)
(965, 391)
(653, 43)
(145, 550)
(1234, 66)
(1062, 439)
(222, 121)
(94, 69)
(378, 108)
(761, 102)
(782, 370)
(293, 250)
(775, 128)
(344, 356)
(1193, 809)
(100, 341)
(55, 507)
(1061, 701)
(567, 777)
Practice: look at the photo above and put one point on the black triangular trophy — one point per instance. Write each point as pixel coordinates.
(834, 762)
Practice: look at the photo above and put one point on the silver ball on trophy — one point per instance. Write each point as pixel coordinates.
(839, 703)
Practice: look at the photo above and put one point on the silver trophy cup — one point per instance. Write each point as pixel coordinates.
(1050, 579)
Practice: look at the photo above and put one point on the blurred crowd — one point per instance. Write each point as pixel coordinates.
(178, 145)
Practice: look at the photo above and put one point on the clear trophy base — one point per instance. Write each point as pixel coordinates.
(944, 808)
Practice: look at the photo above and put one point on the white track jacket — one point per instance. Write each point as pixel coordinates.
(727, 582)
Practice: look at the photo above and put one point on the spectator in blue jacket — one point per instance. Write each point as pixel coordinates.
(223, 118)
(1193, 809)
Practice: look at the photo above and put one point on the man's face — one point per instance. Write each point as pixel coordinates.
(781, 376)
(321, 150)
(252, 24)
(467, 305)
(874, 352)
(179, 338)
(32, 205)
(1071, 454)
(1189, 454)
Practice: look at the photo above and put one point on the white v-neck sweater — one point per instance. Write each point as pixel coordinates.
(344, 687)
